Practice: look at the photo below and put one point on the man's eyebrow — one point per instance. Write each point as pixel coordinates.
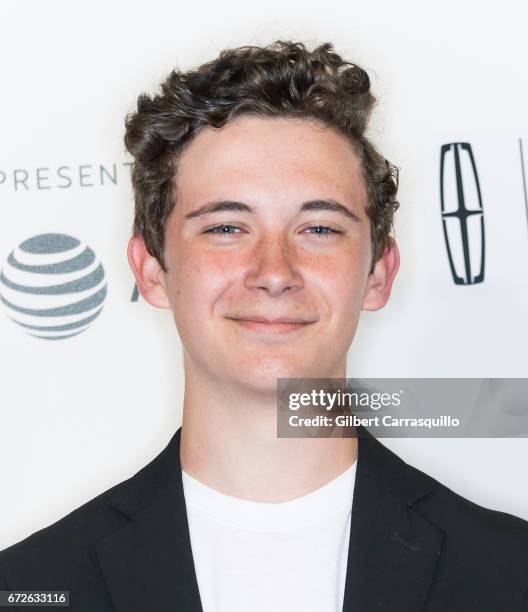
(332, 205)
(231, 205)
(219, 205)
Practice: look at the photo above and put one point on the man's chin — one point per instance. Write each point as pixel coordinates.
(264, 379)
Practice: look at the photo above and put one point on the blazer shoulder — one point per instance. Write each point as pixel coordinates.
(62, 539)
(471, 526)
(67, 540)
(482, 548)
(448, 509)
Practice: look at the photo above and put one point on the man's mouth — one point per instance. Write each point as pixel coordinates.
(279, 325)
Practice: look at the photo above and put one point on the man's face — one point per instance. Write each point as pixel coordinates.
(274, 251)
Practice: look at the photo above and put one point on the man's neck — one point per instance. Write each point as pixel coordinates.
(229, 442)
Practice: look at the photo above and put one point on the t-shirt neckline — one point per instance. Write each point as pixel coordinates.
(329, 500)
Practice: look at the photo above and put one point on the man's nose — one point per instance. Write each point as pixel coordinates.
(274, 267)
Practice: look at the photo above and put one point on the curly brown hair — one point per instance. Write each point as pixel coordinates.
(283, 79)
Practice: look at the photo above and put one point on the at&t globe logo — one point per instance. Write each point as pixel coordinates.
(52, 286)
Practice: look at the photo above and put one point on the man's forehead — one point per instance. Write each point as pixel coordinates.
(214, 166)
(249, 139)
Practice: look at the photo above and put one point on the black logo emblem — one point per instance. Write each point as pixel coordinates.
(462, 213)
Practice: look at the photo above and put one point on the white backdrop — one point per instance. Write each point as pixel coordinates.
(82, 414)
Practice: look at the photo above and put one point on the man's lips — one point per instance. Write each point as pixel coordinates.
(278, 325)
(278, 320)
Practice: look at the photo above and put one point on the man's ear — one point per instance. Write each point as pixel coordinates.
(379, 282)
(149, 274)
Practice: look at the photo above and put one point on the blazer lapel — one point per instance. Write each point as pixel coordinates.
(393, 549)
(147, 564)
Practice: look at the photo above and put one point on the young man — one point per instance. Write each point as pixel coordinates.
(263, 220)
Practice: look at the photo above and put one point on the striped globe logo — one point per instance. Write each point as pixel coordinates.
(53, 286)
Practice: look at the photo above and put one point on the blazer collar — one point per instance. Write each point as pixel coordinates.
(147, 564)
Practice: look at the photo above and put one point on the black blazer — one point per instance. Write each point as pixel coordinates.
(415, 545)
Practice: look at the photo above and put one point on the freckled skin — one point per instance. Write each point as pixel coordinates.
(272, 268)
(271, 265)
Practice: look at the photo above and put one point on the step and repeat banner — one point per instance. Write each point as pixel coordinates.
(91, 379)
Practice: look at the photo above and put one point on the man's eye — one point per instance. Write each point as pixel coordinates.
(321, 230)
(221, 229)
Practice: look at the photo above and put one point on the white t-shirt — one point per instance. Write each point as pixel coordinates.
(271, 557)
